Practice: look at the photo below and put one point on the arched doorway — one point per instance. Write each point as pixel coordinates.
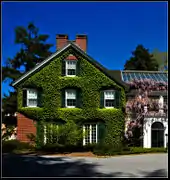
(157, 134)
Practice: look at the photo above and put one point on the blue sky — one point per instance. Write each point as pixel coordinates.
(114, 29)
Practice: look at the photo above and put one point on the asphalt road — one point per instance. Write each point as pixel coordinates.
(151, 165)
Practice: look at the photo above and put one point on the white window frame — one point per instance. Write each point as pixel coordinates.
(84, 131)
(66, 67)
(66, 97)
(108, 99)
(35, 90)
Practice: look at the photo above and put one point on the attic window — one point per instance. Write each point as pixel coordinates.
(71, 68)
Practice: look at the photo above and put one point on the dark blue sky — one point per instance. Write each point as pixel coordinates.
(114, 29)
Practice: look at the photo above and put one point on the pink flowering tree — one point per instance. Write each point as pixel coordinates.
(141, 106)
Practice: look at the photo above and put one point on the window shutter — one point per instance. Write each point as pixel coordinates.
(78, 98)
(39, 98)
(24, 99)
(63, 73)
(101, 132)
(63, 98)
(117, 99)
(78, 68)
(101, 99)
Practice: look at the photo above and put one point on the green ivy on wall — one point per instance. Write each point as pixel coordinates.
(90, 80)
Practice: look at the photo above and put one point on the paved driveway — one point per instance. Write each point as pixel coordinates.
(151, 165)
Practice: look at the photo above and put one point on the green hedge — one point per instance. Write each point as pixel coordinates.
(13, 145)
(125, 151)
(90, 80)
(58, 148)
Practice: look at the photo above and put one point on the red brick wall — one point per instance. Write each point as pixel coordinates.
(81, 40)
(62, 40)
(25, 126)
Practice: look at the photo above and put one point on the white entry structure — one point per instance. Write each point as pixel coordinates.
(155, 132)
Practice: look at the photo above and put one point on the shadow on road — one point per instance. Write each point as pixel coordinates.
(36, 166)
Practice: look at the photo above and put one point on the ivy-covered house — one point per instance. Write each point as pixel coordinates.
(71, 85)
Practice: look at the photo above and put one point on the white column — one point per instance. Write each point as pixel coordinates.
(149, 133)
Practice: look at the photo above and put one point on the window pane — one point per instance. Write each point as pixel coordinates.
(71, 64)
(124, 76)
(32, 102)
(32, 94)
(87, 133)
(71, 94)
(93, 138)
(71, 102)
(109, 103)
(109, 94)
(71, 72)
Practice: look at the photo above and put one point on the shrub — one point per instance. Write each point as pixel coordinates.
(107, 149)
(126, 150)
(68, 134)
(59, 148)
(11, 145)
(50, 148)
(138, 150)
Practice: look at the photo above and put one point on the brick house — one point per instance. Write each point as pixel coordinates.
(70, 84)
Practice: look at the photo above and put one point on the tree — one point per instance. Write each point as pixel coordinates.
(161, 58)
(34, 49)
(141, 60)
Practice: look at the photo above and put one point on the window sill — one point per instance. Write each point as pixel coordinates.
(70, 75)
(109, 107)
(31, 107)
(70, 107)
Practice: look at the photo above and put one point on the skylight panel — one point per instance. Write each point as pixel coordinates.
(124, 76)
(160, 77)
(137, 76)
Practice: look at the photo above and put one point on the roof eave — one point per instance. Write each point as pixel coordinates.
(39, 65)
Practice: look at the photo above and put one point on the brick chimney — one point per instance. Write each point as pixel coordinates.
(81, 41)
(62, 40)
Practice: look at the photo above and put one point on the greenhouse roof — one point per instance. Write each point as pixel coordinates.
(129, 75)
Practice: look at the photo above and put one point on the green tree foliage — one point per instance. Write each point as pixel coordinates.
(33, 49)
(161, 58)
(141, 60)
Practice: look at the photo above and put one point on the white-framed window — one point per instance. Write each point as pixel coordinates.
(90, 131)
(71, 67)
(70, 98)
(32, 95)
(109, 98)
